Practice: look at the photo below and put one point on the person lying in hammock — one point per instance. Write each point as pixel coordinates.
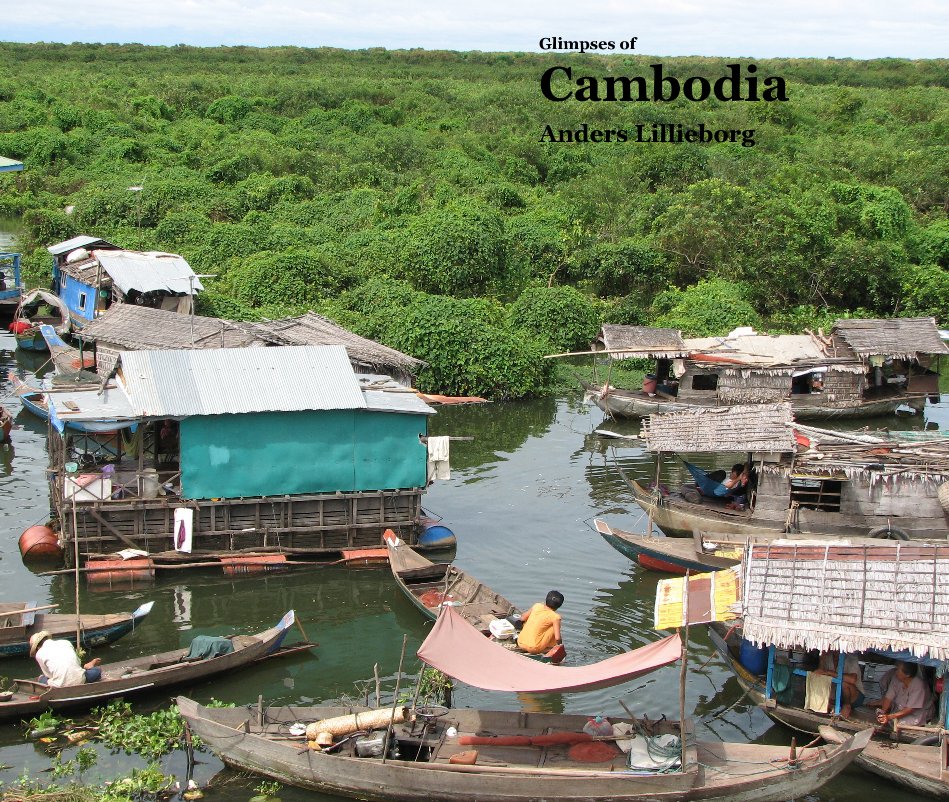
(734, 486)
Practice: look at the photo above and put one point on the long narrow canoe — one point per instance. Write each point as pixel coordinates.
(144, 674)
(430, 586)
(20, 620)
(671, 555)
(503, 756)
(920, 767)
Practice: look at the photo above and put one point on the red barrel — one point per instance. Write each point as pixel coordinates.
(40, 541)
(253, 563)
(117, 571)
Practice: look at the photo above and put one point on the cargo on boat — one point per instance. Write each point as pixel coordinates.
(238, 450)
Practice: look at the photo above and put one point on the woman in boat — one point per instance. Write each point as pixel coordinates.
(908, 699)
(541, 630)
(60, 663)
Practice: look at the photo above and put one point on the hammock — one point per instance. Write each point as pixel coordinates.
(707, 486)
(459, 650)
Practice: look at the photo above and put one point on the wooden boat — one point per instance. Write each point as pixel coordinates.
(429, 586)
(620, 403)
(528, 757)
(798, 598)
(922, 768)
(33, 399)
(145, 674)
(667, 554)
(20, 620)
(26, 327)
(804, 480)
(727, 642)
(832, 377)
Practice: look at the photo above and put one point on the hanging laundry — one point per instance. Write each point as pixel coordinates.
(184, 526)
(438, 466)
(817, 692)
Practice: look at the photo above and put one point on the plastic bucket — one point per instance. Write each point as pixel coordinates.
(149, 483)
(649, 383)
(753, 658)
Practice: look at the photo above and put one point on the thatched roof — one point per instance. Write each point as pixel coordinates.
(313, 329)
(892, 596)
(883, 457)
(899, 337)
(141, 328)
(753, 427)
(624, 342)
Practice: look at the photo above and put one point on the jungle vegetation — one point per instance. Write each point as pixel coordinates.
(408, 194)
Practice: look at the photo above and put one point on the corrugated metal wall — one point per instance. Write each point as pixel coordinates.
(273, 454)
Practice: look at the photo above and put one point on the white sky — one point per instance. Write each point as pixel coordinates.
(805, 28)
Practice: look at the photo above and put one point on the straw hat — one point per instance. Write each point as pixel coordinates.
(36, 639)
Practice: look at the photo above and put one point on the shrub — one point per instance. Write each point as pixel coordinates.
(468, 349)
(710, 308)
(562, 317)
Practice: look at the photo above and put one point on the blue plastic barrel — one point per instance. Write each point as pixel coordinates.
(436, 536)
(753, 658)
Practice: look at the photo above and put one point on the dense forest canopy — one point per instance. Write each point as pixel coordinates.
(411, 196)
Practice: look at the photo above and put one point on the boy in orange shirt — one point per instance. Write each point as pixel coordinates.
(541, 630)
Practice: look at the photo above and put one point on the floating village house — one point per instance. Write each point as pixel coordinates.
(125, 327)
(267, 449)
(91, 274)
(863, 368)
(805, 479)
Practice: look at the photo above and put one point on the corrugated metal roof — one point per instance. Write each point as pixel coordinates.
(83, 406)
(149, 272)
(238, 380)
(82, 241)
(384, 401)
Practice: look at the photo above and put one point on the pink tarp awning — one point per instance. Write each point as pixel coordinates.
(459, 650)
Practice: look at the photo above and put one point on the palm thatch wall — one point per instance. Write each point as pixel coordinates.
(847, 597)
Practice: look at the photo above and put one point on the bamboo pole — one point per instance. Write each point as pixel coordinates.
(75, 538)
(395, 701)
(684, 668)
(655, 492)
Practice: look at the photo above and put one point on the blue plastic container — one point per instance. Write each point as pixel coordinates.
(436, 536)
(753, 658)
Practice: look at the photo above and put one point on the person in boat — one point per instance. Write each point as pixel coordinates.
(60, 663)
(736, 486)
(908, 698)
(541, 625)
(851, 693)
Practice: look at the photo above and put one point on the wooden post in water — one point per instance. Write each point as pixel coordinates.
(684, 635)
(75, 538)
(656, 495)
(395, 701)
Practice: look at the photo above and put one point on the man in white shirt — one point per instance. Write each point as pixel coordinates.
(59, 662)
